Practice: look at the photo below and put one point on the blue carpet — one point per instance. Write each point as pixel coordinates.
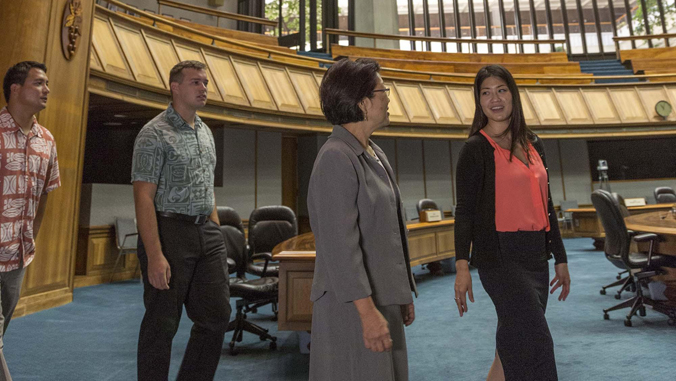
(94, 338)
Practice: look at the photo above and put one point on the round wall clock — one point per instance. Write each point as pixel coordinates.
(663, 109)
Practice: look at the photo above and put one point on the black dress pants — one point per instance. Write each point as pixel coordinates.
(199, 280)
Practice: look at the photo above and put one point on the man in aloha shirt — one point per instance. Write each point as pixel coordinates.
(28, 171)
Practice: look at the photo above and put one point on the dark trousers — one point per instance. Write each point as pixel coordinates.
(199, 279)
(519, 290)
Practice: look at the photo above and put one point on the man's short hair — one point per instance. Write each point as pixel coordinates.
(17, 74)
(176, 73)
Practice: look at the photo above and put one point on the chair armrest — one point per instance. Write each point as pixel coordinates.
(631, 233)
(231, 265)
(266, 256)
(645, 237)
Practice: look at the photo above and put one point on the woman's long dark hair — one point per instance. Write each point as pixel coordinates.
(520, 132)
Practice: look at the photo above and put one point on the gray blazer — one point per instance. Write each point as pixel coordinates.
(358, 222)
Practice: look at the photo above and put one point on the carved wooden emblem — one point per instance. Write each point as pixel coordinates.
(71, 27)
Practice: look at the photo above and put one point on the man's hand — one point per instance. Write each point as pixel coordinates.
(159, 272)
(463, 286)
(407, 313)
(562, 278)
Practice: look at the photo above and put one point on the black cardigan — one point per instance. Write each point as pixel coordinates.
(475, 210)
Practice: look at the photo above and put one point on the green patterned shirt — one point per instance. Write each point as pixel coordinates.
(180, 160)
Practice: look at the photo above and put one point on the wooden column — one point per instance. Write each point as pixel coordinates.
(32, 31)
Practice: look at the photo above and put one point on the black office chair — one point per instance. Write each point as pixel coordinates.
(427, 204)
(268, 226)
(618, 239)
(628, 282)
(252, 293)
(665, 195)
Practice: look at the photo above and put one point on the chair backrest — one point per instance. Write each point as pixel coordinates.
(617, 239)
(124, 226)
(665, 195)
(233, 235)
(427, 204)
(620, 202)
(269, 226)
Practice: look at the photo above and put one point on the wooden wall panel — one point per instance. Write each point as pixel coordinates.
(546, 107)
(650, 97)
(441, 105)
(254, 84)
(137, 54)
(186, 53)
(396, 110)
(318, 78)
(671, 91)
(601, 106)
(94, 62)
(414, 103)
(528, 112)
(281, 88)
(108, 49)
(226, 79)
(307, 90)
(33, 32)
(463, 98)
(164, 54)
(628, 105)
(574, 107)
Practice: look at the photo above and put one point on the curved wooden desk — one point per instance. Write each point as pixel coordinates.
(662, 223)
(587, 224)
(428, 242)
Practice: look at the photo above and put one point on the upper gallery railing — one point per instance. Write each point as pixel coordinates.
(377, 36)
(665, 37)
(131, 59)
(212, 12)
(295, 59)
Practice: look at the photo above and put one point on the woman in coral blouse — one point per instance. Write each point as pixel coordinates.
(505, 217)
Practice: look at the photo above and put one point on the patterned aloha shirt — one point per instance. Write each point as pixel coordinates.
(180, 160)
(28, 169)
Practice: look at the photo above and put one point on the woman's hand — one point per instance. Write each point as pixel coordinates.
(375, 329)
(463, 286)
(408, 313)
(562, 278)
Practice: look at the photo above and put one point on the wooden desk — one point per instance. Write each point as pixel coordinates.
(428, 242)
(662, 223)
(587, 224)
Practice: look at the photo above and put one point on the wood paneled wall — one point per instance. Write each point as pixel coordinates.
(422, 105)
(32, 31)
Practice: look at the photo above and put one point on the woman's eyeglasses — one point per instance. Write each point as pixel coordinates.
(386, 90)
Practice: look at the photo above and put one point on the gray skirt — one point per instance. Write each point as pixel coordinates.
(337, 351)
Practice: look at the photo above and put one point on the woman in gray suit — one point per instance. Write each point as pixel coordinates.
(362, 282)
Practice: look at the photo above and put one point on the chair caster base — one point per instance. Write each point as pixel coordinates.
(603, 291)
(273, 345)
(641, 311)
(671, 322)
(606, 316)
(233, 351)
(627, 323)
(618, 296)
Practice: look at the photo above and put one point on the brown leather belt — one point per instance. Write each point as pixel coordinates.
(197, 220)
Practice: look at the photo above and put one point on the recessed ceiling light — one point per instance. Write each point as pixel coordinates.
(120, 116)
(112, 124)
